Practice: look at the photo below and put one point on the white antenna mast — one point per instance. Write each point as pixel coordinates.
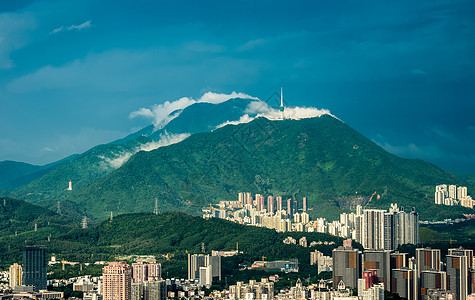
(281, 108)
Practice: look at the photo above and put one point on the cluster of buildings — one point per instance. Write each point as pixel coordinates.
(265, 290)
(373, 228)
(452, 195)
(258, 211)
(424, 276)
(204, 268)
(29, 280)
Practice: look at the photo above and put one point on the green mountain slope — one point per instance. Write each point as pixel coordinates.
(49, 186)
(320, 158)
(170, 232)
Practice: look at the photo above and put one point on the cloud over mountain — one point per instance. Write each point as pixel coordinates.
(163, 113)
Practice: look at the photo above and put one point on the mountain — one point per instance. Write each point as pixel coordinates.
(49, 185)
(13, 174)
(320, 158)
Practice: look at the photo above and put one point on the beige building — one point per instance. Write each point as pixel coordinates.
(15, 275)
(117, 277)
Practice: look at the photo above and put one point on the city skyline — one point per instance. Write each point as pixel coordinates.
(399, 73)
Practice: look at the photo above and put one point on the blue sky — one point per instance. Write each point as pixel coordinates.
(400, 72)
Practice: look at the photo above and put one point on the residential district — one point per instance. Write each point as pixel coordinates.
(355, 274)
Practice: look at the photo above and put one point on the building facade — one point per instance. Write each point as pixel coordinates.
(117, 280)
(35, 266)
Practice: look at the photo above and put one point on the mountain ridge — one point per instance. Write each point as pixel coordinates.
(321, 158)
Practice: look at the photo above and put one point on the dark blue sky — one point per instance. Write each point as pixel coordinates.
(400, 72)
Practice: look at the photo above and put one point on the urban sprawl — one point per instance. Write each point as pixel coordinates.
(355, 273)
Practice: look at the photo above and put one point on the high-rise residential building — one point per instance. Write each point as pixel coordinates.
(136, 291)
(471, 282)
(198, 261)
(459, 279)
(35, 266)
(378, 260)
(154, 270)
(461, 192)
(402, 282)
(289, 207)
(431, 280)
(278, 203)
(154, 290)
(382, 230)
(441, 193)
(314, 256)
(16, 275)
(241, 197)
(457, 276)
(250, 201)
(398, 260)
(143, 271)
(463, 252)
(305, 218)
(372, 231)
(270, 204)
(453, 191)
(139, 272)
(117, 280)
(259, 202)
(206, 275)
(346, 266)
(427, 259)
(304, 204)
(324, 264)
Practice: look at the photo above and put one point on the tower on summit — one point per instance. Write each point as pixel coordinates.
(281, 108)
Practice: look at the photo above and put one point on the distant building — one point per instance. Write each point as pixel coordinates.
(200, 265)
(402, 282)
(432, 280)
(143, 271)
(324, 264)
(16, 275)
(117, 277)
(253, 290)
(459, 262)
(314, 257)
(386, 230)
(154, 290)
(35, 266)
(378, 260)
(303, 242)
(270, 204)
(427, 259)
(346, 266)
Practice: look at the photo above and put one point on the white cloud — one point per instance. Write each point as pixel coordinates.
(261, 109)
(217, 98)
(161, 112)
(243, 119)
(85, 25)
(166, 139)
